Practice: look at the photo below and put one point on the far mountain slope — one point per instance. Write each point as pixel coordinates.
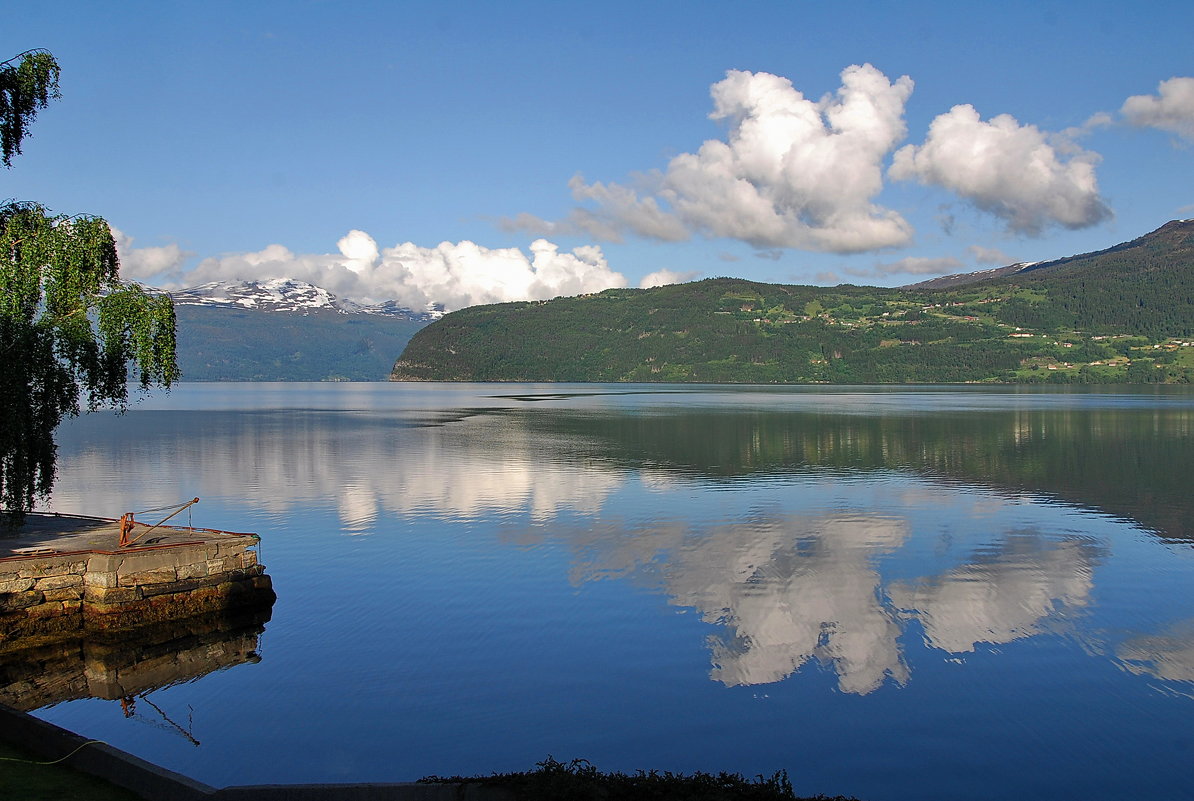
(1145, 286)
(286, 330)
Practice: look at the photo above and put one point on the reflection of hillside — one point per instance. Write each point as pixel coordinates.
(790, 589)
(121, 668)
(1130, 462)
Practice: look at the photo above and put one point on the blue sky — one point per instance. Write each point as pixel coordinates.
(441, 152)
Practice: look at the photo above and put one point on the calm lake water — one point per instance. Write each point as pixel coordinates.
(929, 593)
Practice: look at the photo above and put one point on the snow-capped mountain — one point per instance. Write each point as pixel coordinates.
(289, 295)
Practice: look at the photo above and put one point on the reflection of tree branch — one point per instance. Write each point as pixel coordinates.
(165, 717)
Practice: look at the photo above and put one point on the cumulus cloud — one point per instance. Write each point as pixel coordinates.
(1007, 169)
(666, 276)
(617, 209)
(1171, 109)
(359, 250)
(455, 274)
(141, 264)
(1100, 119)
(792, 172)
(919, 265)
(912, 265)
(984, 255)
(620, 207)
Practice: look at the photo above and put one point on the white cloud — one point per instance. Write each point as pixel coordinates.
(1007, 169)
(666, 276)
(984, 255)
(455, 274)
(919, 265)
(620, 207)
(141, 264)
(792, 172)
(360, 251)
(911, 265)
(1100, 119)
(1171, 109)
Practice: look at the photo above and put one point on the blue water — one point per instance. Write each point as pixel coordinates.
(927, 593)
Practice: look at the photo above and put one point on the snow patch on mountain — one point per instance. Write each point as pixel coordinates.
(290, 295)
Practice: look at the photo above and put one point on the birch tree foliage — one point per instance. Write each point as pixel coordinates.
(70, 330)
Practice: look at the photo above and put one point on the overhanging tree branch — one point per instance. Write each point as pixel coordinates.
(69, 327)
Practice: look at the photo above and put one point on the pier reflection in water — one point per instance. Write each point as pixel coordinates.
(129, 665)
(889, 593)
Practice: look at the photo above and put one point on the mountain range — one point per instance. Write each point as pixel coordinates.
(288, 330)
(1124, 314)
(289, 295)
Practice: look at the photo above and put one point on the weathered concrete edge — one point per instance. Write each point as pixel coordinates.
(155, 783)
(99, 759)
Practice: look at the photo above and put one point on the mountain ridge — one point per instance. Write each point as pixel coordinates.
(1180, 228)
(288, 330)
(292, 295)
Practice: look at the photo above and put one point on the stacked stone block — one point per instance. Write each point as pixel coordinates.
(46, 596)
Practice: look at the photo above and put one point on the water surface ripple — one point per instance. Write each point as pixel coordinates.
(896, 593)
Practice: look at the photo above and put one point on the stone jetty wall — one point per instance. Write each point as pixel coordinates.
(47, 597)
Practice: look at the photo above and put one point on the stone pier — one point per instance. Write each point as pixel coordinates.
(66, 576)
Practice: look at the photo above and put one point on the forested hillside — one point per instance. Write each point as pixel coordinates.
(1124, 314)
(1145, 286)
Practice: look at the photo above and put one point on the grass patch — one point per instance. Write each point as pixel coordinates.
(579, 780)
(29, 781)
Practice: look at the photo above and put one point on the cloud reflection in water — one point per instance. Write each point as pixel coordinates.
(792, 585)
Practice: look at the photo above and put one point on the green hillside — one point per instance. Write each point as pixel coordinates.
(1120, 315)
(230, 344)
